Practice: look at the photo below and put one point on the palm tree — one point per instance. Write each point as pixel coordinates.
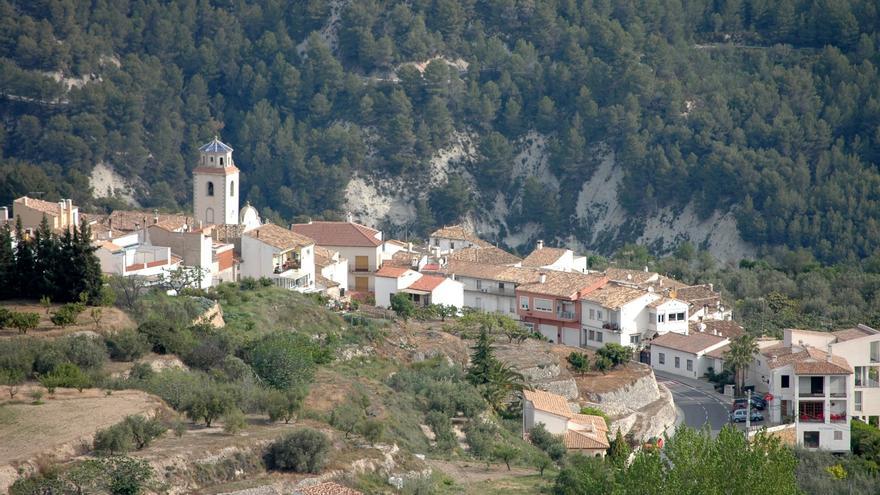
(503, 380)
(739, 357)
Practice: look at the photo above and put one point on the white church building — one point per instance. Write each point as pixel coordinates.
(215, 185)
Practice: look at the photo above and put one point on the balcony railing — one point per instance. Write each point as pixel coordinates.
(812, 418)
(838, 393)
(288, 265)
(565, 315)
(838, 418)
(611, 326)
(812, 393)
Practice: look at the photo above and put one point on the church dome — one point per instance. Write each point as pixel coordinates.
(249, 218)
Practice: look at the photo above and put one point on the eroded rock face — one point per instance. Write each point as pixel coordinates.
(541, 368)
(634, 395)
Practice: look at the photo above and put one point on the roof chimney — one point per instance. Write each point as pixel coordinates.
(155, 216)
(828, 357)
(540, 244)
(773, 358)
(702, 327)
(349, 217)
(646, 268)
(310, 221)
(542, 278)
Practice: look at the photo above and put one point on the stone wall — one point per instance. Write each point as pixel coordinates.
(634, 395)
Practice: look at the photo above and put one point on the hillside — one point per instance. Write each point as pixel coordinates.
(734, 125)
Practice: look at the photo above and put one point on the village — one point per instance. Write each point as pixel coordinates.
(806, 387)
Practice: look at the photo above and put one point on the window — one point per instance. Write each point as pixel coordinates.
(875, 352)
(529, 326)
(661, 318)
(858, 401)
(598, 314)
(634, 339)
(811, 439)
(598, 336)
(451, 244)
(592, 335)
(479, 284)
(543, 305)
(524, 303)
(680, 316)
(361, 263)
(221, 161)
(436, 242)
(501, 285)
(677, 362)
(592, 314)
(662, 358)
(212, 159)
(785, 381)
(838, 435)
(690, 365)
(210, 188)
(232, 188)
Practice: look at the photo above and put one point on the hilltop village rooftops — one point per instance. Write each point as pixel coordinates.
(279, 237)
(564, 284)
(544, 256)
(459, 233)
(490, 255)
(613, 295)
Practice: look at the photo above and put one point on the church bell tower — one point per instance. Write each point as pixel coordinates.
(215, 185)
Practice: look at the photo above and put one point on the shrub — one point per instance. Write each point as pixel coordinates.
(615, 353)
(283, 360)
(402, 305)
(505, 453)
(546, 441)
(114, 440)
(208, 353)
(234, 421)
(165, 338)
(67, 375)
(208, 404)
(442, 427)
(346, 418)
(84, 351)
(372, 430)
(127, 345)
(36, 395)
(12, 379)
(63, 317)
(143, 430)
(24, 322)
(481, 436)
(303, 451)
(283, 405)
(5, 317)
(579, 362)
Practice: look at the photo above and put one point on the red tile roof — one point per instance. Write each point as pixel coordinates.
(544, 256)
(279, 237)
(339, 234)
(427, 283)
(391, 271)
(691, 343)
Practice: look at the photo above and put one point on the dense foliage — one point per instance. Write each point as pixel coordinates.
(781, 120)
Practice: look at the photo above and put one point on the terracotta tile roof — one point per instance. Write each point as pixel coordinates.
(596, 422)
(565, 284)
(475, 270)
(630, 276)
(548, 402)
(397, 243)
(697, 294)
(805, 360)
(391, 271)
(326, 257)
(459, 233)
(402, 258)
(110, 246)
(131, 220)
(544, 256)
(486, 255)
(719, 353)
(339, 234)
(580, 439)
(47, 207)
(324, 281)
(326, 488)
(854, 333)
(692, 343)
(663, 300)
(279, 237)
(427, 283)
(613, 295)
(724, 328)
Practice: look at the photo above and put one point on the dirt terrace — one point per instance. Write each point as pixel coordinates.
(112, 320)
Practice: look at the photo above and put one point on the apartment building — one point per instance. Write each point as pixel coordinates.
(551, 305)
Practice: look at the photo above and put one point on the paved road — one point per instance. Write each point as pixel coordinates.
(697, 406)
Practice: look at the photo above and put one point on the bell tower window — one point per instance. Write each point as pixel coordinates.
(232, 189)
(210, 188)
(221, 161)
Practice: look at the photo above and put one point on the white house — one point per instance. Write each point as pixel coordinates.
(560, 259)
(285, 257)
(617, 314)
(423, 289)
(136, 259)
(453, 237)
(812, 387)
(490, 288)
(667, 315)
(331, 271)
(582, 433)
(686, 355)
(357, 243)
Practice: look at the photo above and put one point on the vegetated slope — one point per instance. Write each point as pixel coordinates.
(713, 110)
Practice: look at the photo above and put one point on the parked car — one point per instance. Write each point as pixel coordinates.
(757, 401)
(739, 416)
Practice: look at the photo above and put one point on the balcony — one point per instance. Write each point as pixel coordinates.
(287, 265)
(565, 315)
(608, 325)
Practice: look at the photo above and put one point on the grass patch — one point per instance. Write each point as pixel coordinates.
(7, 416)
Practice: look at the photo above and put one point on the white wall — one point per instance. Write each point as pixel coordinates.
(554, 424)
(490, 301)
(223, 205)
(550, 332)
(669, 364)
(112, 263)
(446, 245)
(450, 292)
(256, 257)
(385, 287)
(373, 254)
(571, 336)
(337, 272)
(668, 308)
(857, 352)
(826, 435)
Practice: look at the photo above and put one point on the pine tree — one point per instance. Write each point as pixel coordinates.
(24, 262)
(7, 263)
(482, 360)
(618, 452)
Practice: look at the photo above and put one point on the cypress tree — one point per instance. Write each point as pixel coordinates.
(7, 263)
(482, 360)
(24, 263)
(89, 266)
(46, 261)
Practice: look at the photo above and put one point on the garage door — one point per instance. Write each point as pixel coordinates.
(571, 336)
(551, 332)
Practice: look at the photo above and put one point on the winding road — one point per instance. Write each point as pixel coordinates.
(696, 407)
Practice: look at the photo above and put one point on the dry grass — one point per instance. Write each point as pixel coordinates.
(112, 320)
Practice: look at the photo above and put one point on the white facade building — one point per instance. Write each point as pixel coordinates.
(688, 355)
(581, 433)
(283, 256)
(360, 245)
(423, 289)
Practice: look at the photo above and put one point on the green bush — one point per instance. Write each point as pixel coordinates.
(442, 427)
(481, 436)
(143, 430)
(546, 441)
(208, 404)
(127, 345)
(114, 440)
(24, 322)
(165, 337)
(234, 421)
(67, 375)
(208, 353)
(283, 405)
(303, 451)
(5, 318)
(615, 353)
(283, 360)
(372, 430)
(346, 418)
(84, 351)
